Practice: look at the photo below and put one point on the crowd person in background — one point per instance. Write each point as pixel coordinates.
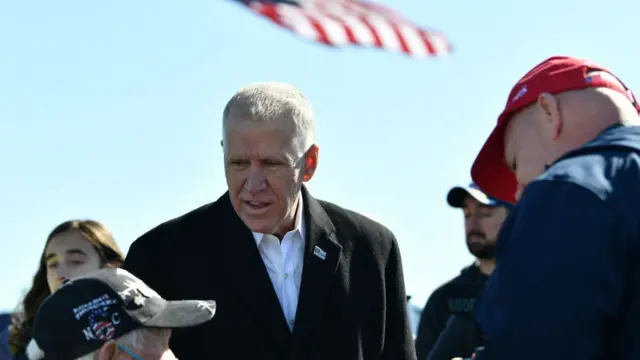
(483, 217)
(567, 147)
(5, 352)
(110, 314)
(461, 337)
(5, 320)
(294, 277)
(73, 248)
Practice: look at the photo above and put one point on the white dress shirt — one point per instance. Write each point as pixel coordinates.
(283, 260)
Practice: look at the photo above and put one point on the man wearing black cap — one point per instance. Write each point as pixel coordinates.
(483, 218)
(111, 314)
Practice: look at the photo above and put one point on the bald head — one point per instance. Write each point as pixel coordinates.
(599, 107)
(558, 123)
(276, 105)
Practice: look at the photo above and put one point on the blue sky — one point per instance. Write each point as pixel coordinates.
(111, 111)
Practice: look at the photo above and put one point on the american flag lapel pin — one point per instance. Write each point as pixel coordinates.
(319, 253)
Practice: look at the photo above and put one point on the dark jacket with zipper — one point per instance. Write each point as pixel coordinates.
(460, 338)
(455, 297)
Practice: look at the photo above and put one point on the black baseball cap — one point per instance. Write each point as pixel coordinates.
(457, 194)
(88, 311)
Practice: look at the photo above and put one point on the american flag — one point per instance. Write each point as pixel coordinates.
(340, 23)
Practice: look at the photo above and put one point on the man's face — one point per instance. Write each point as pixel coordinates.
(528, 148)
(265, 175)
(154, 347)
(482, 224)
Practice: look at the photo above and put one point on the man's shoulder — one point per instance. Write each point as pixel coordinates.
(459, 285)
(439, 297)
(184, 223)
(359, 234)
(599, 184)
(607, 166)
(353, 222)
(603, 172)
(441, 291)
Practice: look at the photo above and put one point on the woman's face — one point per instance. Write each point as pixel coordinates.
(69, 255)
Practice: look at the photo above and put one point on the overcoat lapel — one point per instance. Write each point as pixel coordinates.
(322, 254)
(250, 277)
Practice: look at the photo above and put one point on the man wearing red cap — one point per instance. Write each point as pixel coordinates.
(567, 280)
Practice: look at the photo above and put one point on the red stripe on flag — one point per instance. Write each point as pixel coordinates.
(431, 50)
(377, 41)
(322, 33)
(345, 26)
(339, 12)
(403, 44)
(270, 12)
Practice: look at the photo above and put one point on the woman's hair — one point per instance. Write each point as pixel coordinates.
(23, 319)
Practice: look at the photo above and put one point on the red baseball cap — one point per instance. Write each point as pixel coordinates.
(554, 75)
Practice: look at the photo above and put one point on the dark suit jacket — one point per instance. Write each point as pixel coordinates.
(352, 305)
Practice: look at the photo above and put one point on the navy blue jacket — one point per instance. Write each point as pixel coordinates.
(567, 280)
(5, 352)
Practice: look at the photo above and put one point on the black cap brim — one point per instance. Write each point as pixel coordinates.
(456, 196)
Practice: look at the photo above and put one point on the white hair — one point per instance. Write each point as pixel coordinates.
(273, 103)
(136, 340)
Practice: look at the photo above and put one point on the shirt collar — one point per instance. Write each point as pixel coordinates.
(298, 224)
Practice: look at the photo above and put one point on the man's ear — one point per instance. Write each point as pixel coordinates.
(310, 162)
(552, 117)
(108, 351)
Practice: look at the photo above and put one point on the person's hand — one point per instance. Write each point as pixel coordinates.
(473, 356)
(459, 358)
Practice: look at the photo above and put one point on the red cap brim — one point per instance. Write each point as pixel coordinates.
(555, 75)
(489, 170)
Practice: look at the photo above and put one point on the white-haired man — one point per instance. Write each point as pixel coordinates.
(110, 315)
(294, 277)
(565, 286)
